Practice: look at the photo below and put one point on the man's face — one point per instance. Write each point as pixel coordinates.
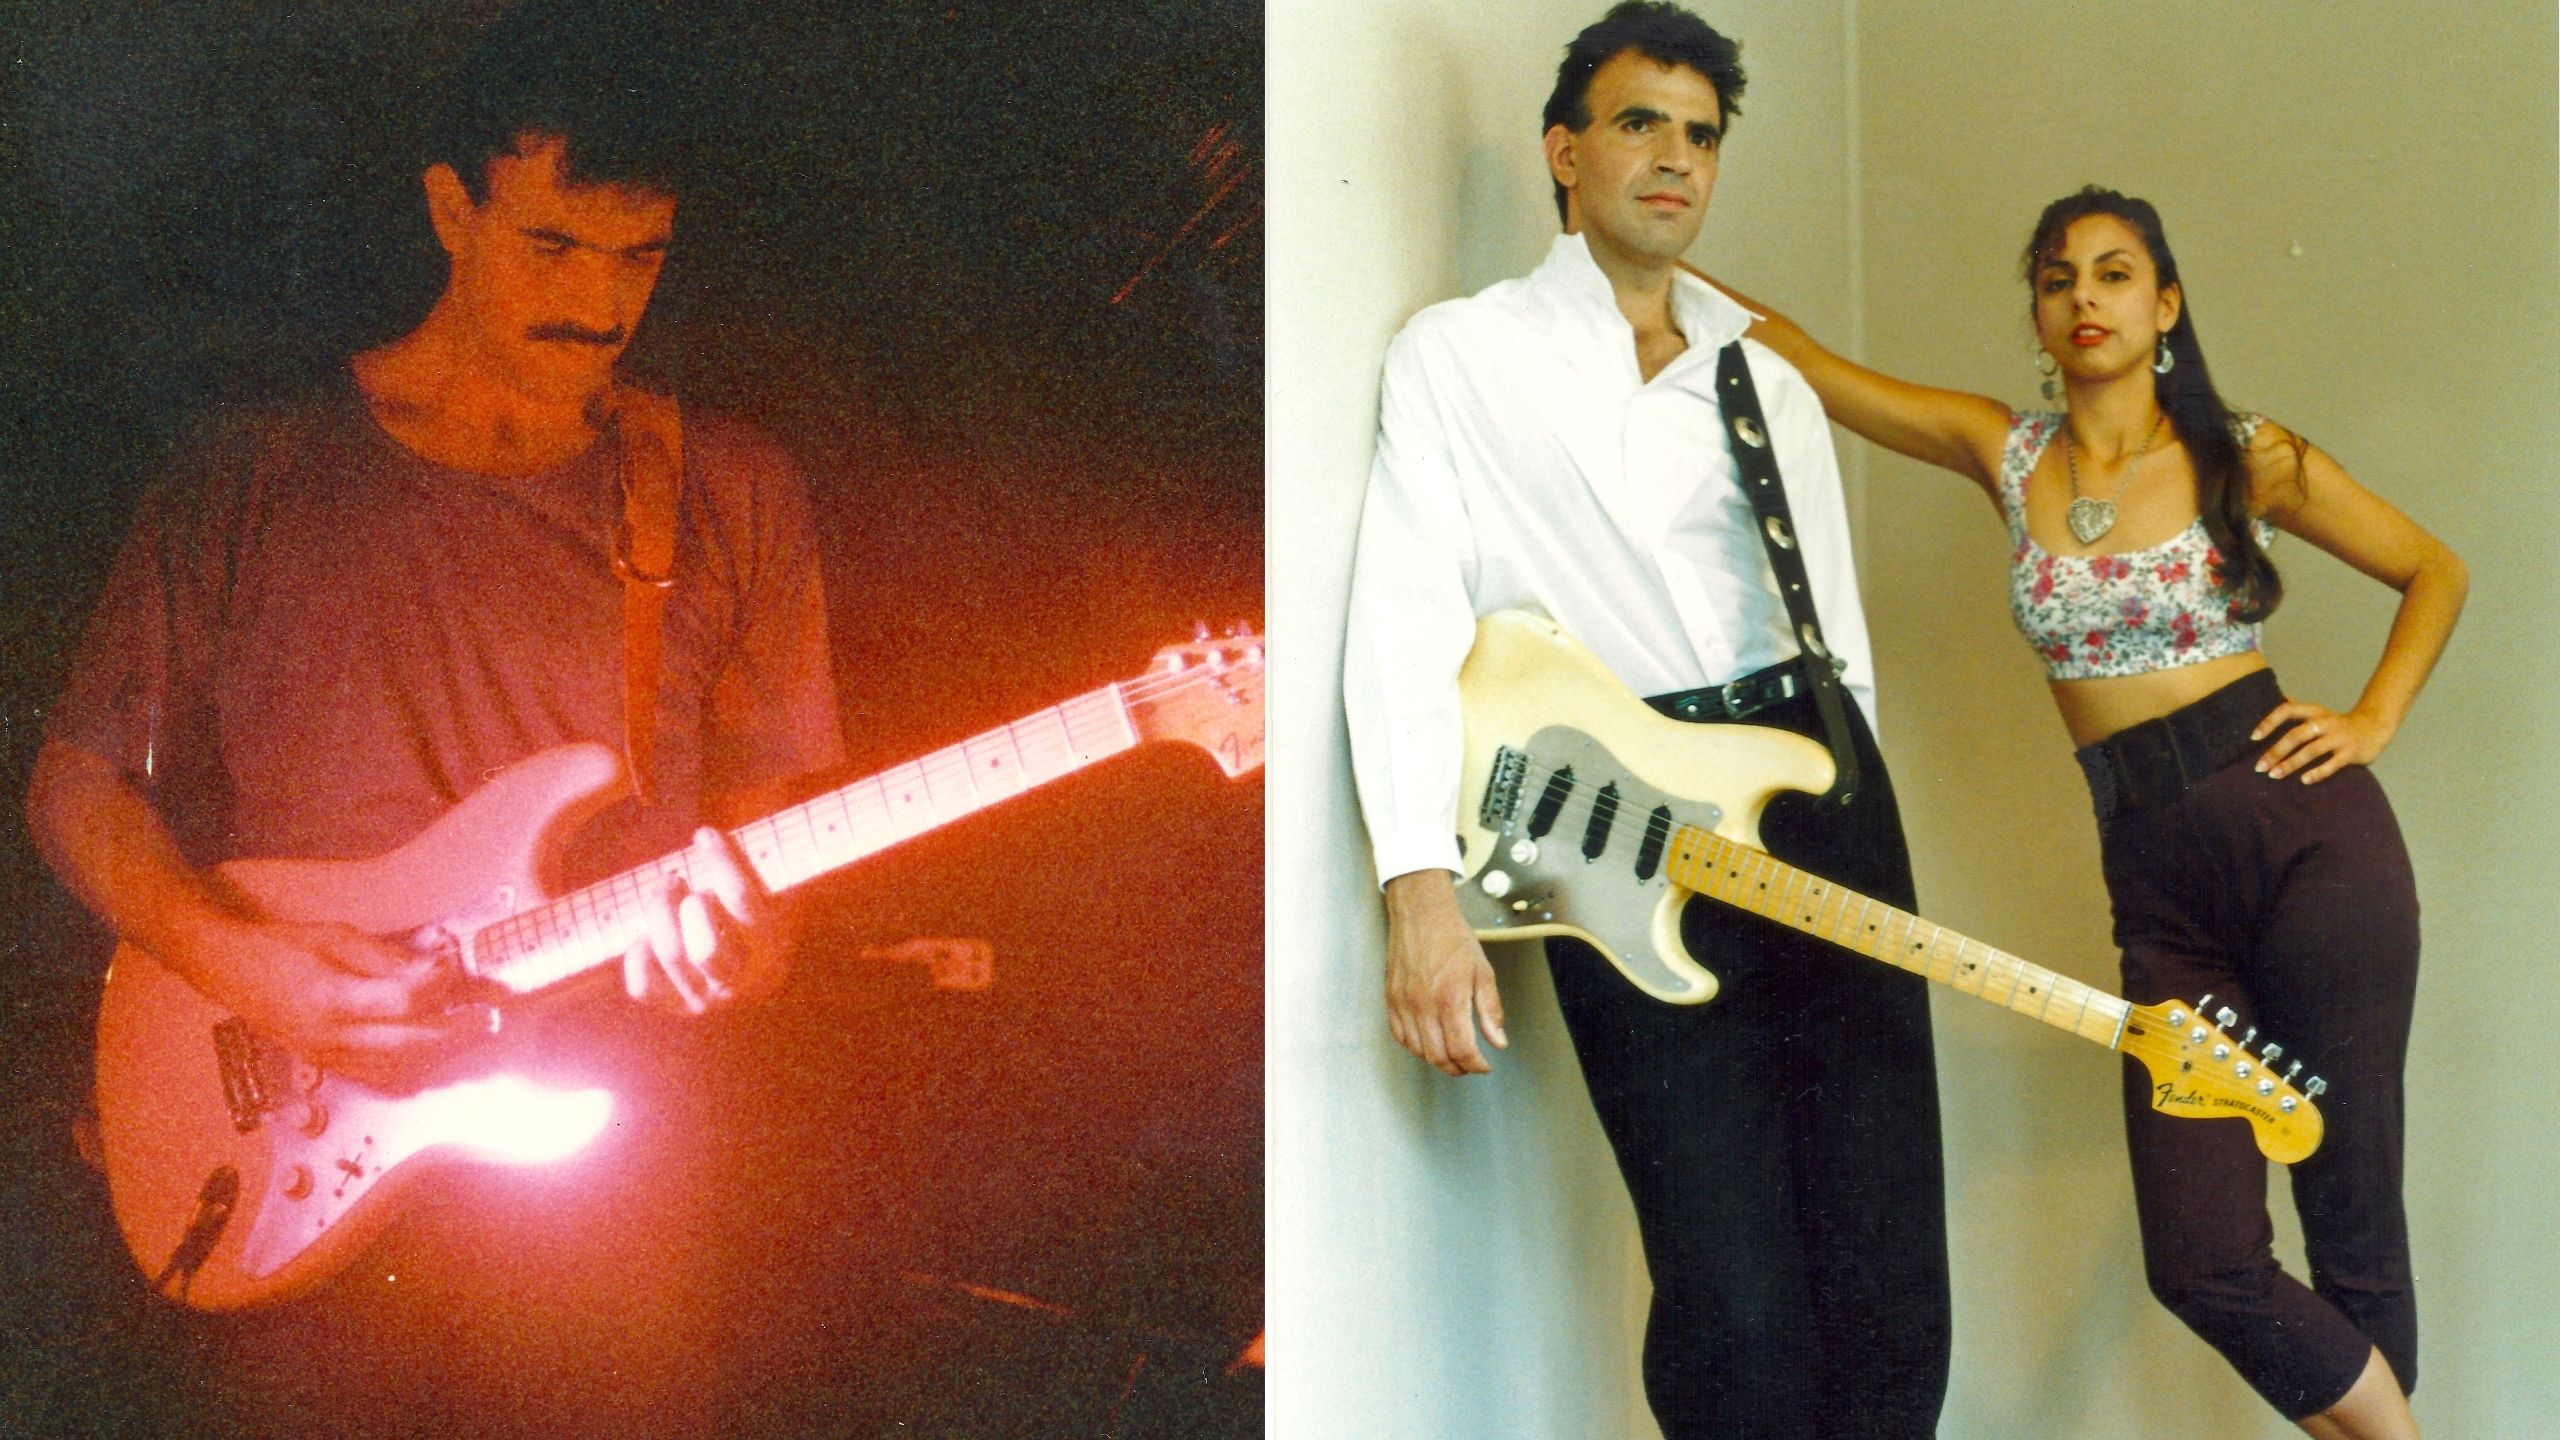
(1637, 177)
(549, 277)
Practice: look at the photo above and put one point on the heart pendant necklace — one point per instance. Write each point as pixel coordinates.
(2089, 519)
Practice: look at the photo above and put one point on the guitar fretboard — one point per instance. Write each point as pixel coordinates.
(589, 927)
(1753, 880)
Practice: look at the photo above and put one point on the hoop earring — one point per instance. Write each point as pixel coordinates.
(2048, 367)
(2162, 365)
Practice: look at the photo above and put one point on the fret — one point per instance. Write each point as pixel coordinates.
(1749, 879)
(868, 816)
(1098, 724)
(1966, 974)
(777, 848)
(950, 790)
(1047, 752)
(907, 800)
(995, 765)
(831, 831)
(1945, 948)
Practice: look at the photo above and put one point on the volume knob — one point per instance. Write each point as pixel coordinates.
(1496, 883)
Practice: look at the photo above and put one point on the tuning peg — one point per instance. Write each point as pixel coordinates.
(1199, 629)
(2272, 1051)
(2317, 1088)
(2252, 1035)
(2289, 1074)
(2226, 1017)
(2207, 1000)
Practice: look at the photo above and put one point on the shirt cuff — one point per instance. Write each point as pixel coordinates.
(1403, 857)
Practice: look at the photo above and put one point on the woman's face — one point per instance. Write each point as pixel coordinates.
(2099, 306)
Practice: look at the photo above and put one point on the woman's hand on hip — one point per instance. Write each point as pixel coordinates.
(2320, 742)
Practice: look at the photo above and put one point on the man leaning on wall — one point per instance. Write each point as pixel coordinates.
(1555, 443)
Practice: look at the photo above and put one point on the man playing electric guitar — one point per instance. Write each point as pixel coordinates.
(333, 622)
(1560, 443)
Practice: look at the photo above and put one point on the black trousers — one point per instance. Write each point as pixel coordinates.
(2294, 905)
(1781, 1145)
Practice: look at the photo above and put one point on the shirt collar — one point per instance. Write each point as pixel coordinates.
(1707, 316)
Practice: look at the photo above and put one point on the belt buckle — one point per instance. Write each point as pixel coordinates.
(1732, 706)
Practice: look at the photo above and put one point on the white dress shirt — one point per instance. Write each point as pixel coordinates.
(1524, 463)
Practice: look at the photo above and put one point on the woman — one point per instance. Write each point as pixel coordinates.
(2140, 518)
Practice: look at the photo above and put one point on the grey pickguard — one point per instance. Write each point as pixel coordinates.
(1579, 847)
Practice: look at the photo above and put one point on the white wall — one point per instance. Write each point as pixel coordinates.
(2366, 199)
(1447, 1258)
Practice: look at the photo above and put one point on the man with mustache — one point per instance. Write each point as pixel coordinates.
(333, 621)
(1557, 443)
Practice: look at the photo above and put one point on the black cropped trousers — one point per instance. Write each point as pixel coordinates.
(1781, 1145)
(2295, 906)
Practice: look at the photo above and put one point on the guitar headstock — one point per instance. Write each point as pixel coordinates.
(1207, 692)
(2199, 1072)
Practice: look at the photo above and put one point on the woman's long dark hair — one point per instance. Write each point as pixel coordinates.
(2187, 397)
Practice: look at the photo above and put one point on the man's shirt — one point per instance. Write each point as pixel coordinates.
(314, 641)
(1524, 463)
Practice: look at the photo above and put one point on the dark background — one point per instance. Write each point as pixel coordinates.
(994, 272)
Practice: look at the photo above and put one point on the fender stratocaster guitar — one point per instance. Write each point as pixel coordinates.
(1585, 813)
(242, 1174)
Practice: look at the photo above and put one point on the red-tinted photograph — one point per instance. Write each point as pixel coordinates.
(635, 677)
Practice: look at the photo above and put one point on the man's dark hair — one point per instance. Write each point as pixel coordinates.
(1660, 32)
(615, 80)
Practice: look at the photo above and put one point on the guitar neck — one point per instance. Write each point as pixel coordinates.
(593, 926)
(1753, 880)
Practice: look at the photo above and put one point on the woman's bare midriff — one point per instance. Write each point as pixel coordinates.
(2092, 710)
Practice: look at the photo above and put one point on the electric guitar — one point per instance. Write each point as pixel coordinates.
(241, 1173)
(1588, 814)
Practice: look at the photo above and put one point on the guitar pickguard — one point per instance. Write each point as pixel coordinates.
(1577, 849)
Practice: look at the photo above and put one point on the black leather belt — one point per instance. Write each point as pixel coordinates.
(1735, 699)
(2153, 763)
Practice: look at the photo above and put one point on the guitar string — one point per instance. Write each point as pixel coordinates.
(1657, 827)
(1534, 777)
(520, 937)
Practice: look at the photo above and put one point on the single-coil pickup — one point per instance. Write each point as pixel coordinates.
(1604, 815)
(1550, 804)
(1657, 832)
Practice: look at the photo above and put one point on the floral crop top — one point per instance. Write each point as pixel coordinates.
(2090, 616)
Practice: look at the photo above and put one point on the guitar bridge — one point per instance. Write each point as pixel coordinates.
(1502, 788)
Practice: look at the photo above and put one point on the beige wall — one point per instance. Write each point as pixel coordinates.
(2366, 200)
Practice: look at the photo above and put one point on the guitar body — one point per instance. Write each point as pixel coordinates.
(240, 1174)
(317, 1161)
(1529, 687)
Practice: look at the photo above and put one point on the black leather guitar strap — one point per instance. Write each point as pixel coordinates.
(1755, 463)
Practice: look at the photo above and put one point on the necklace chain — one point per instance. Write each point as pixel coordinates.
(2090, 519)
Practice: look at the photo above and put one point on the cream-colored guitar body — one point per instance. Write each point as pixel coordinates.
(1584, 813)
(1528, 686)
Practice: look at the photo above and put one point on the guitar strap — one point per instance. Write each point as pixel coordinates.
(644, 555)
(1755, 461)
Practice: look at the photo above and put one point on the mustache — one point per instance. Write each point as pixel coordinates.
(577, 334)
